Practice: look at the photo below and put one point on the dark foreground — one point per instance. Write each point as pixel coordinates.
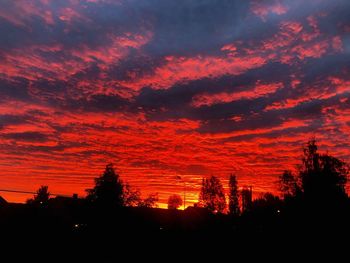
(70, 231)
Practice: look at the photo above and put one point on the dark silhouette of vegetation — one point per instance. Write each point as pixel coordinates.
(321, 177)
(267, 201)
(247, 198)
(131, 197)
(212, 195)
(174, 201)
(108, 190)
(314, 204)
(289, 184)
(41, 197)
(150, 201)
(233, 196)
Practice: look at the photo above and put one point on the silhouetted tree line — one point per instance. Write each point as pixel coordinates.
(320, 178)
(110, 191)
(313, 201)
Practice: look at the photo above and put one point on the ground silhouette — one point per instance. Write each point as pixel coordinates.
(313, 206)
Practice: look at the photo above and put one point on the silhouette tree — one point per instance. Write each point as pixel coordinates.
(212, 195)
(288, 184)
(41, 197)
(108, 190)
(322, 176)
(174, 201)
(247, 198)
(233, 196)
(150, 201)
(267, 203)
(131, 197)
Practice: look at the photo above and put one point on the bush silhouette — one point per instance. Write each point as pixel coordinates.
(174, 201)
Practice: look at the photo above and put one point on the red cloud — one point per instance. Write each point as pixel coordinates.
(325, 90)
(257, 91)
(19, 12)
(29, 64)
(291, 42)
(262, 9)
(191, 68)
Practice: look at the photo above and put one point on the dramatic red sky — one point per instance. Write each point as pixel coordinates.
(164, 88)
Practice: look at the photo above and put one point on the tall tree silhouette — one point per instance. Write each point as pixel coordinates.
(233, 196)
(247, 198)
(288, 184)
(108, 190)
(212, 195)
(174, 201)
(322, 176)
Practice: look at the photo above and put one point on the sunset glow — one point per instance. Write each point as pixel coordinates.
(169, 88)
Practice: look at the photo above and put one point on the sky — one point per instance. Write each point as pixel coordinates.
(165, 88)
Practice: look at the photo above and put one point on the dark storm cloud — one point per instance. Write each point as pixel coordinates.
(90, 24)
(49, 87)
(199, 26)
(179, 96)
(315, 69)
(135, 65)
(26, 136)
(174, 102)
(98, 103)
(305, 111)
(179, 28)
(7, 119)
(274, 134)
(14, 89)
(60, 147)
(29, 116)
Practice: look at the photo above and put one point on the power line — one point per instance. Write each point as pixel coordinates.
(26, 192)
